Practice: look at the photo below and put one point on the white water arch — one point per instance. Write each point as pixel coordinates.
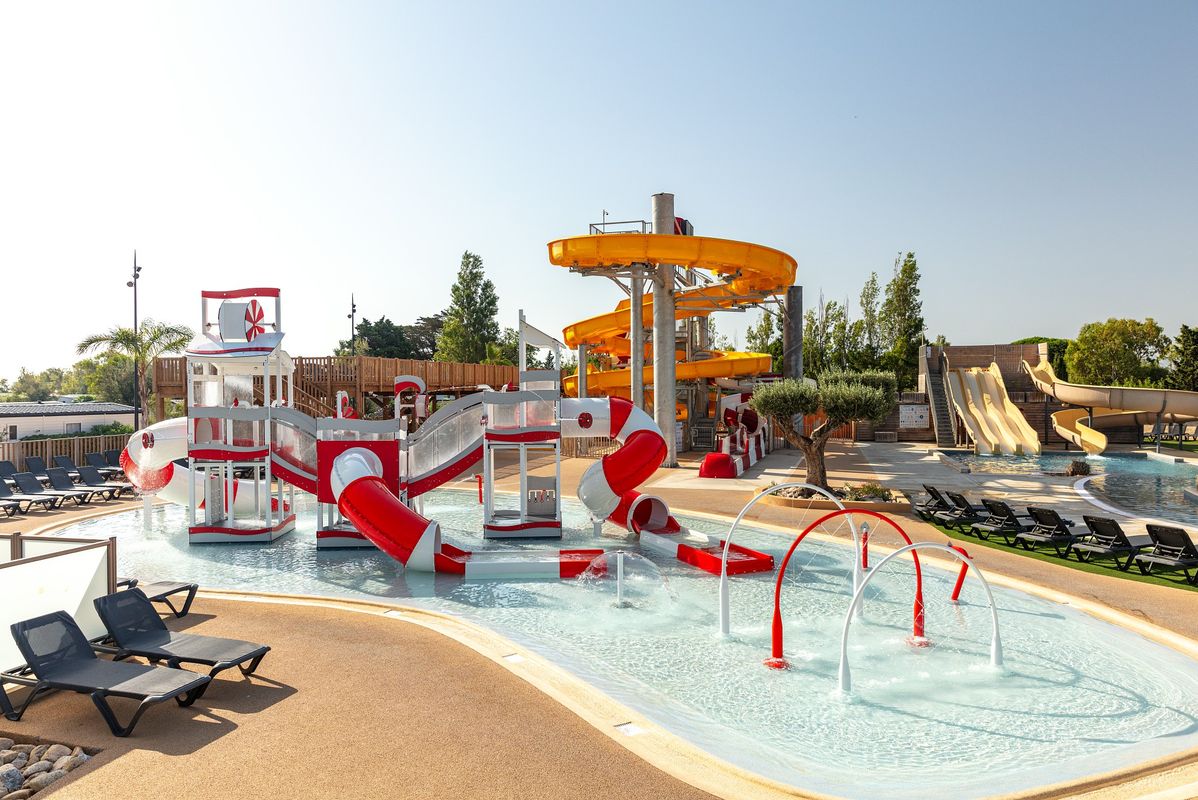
(725, 611)
(846, 680)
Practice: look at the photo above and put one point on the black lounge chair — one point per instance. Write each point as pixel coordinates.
(37, 466)
(60, 481)
(11, 507)
(100, 464)
(1172, 551)
(46, 501)
(962, 514)
(138, 631)
(7, 471)
(67, 463)
(1105, 539)
(27, 484)
(161, 592)
(1049, 529)
(92, 477)
(113, 457)
(935, 503)
(1001, 520)
(59, 657)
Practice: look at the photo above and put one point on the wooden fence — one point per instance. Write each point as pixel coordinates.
(74, 446)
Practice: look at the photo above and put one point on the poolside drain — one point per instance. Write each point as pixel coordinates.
(630, 729)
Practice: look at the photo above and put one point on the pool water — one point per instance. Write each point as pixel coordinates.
(1143, 487)
(1076, 695)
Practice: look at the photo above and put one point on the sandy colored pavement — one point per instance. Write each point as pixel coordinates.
(346, 705)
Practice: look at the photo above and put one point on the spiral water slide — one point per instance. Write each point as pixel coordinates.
(995, 424)
(750, 274)
(1104, 407)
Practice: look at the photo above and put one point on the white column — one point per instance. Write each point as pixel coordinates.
(663, 332)
(636, 333)
(582, 370)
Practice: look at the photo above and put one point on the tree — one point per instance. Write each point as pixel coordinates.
(1183, 357)
(871, 333)
(717, 340)
(901, 321)
(1118, 352)
(470, 319)
(841, 396)
(507, 351)
(34, 387)
(150, 340)
(1056, 352)
(107, 377)
(765, 337)
(382, 338)
(422, 335)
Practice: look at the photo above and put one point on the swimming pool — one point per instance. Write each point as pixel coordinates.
(1142, 486)
(1076, 695)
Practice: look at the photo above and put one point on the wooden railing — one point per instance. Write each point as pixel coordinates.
(74, 446)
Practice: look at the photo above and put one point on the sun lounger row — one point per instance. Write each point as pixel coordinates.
(1164, 548)
(58, 656)
(31, 492)
(107, 464)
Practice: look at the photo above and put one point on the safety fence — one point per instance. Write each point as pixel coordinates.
(77, 447)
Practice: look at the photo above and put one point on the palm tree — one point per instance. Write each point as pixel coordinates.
(150, 340)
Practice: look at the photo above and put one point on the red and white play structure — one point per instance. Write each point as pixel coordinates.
(746, 442)
(238, 457)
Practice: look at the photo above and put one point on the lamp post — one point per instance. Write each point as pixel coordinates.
(136, 382)
(353, 326)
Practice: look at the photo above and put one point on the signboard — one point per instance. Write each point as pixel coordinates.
(915, 416)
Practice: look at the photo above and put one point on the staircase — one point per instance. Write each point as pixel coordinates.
(942, 418)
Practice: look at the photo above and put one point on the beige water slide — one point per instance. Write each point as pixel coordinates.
(995, 424)
(1105, 407)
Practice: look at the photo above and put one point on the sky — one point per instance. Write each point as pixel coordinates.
(1039, 158)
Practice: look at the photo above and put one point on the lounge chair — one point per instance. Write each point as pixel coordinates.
(962, 514)
(1002, 520)
(68, 464)
(11, 507)
(100, 464)
(113, 457)
(161, 592)
(1172, 551)
(1106, 539)
(61, 481)
(37, 466)
(46, 501)
(1049, 529)
(138, 631)
(28, 484)
(7, 470)
(59, 657)
(933, 504)
(92, 477)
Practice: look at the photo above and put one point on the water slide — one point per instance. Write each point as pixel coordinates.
(750, 273)
(995, 424)
(1105, 407)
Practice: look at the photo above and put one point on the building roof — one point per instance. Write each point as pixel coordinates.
(56, 409)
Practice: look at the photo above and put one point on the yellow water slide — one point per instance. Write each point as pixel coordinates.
(1104, 407)
(749, 273)
(995, 424)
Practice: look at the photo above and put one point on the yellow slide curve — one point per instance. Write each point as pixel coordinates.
(1105, 407)
(751, 273)
(995, 424)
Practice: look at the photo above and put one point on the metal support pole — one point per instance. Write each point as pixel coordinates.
(664, 385)
(792, 334)
(636, 332)
(582, 370)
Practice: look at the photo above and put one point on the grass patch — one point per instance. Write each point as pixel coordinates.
(1175, 580)
(1173, 444)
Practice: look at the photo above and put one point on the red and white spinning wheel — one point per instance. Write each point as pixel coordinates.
(253, 320)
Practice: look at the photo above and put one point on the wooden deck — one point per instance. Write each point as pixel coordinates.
(318, 379)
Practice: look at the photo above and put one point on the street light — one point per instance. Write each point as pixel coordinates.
(353, 327)
(136, 388)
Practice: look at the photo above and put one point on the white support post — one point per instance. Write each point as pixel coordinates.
(636, 333)
(582, 370)
(664, 384)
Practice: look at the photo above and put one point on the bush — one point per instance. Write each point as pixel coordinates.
(1077, 469)
(111, 429)
(868, 491)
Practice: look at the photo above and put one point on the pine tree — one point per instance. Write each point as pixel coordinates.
(1183, 373)
(470, 323)
(901, 321)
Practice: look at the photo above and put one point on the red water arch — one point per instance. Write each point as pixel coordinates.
(776, 659)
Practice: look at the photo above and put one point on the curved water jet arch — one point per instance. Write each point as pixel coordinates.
(725, 610)
(845, 680)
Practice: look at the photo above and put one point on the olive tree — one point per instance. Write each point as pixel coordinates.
(841, 397)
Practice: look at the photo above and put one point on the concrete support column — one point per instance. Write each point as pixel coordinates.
(663, 332)
(792, 334)
(636, 333)
(582, 370)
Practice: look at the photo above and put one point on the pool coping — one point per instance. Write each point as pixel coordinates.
(672, 753)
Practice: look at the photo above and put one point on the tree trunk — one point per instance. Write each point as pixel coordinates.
(817, 471)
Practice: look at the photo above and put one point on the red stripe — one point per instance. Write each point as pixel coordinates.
(233, 294)
(575, 562)
(300, 480)
(335, 534)
(221, 454)
(524, 526)
(528, 436)
(231, 350)
(446, 474)
(242, 531)
(619, 410)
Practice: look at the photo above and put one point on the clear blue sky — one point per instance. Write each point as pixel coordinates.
(1040, 158)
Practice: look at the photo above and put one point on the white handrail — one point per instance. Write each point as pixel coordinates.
(725, 611)
(846, 681)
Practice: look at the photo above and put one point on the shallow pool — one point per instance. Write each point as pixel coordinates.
(1141, 486)
(1076, 696)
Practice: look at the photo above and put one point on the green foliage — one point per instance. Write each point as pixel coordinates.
(1056, 352)
(34, 386)
(766, 337)
(870, 325)
(150, 340)
(784, 400)
(720, 341)
(422, 335)
(868, 491)
(107, 377)
(1118, 352)
(1183, 357)
(901, 321)
(507, 351)
(107, 429)
(879, 379)
(846, 402)
(382, 338)
(470, 319)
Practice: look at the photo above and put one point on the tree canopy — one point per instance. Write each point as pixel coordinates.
(150, 340)
(1183, 358)
(1056, 352)
(1118, 352)
(901, 321)
(470, 323)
